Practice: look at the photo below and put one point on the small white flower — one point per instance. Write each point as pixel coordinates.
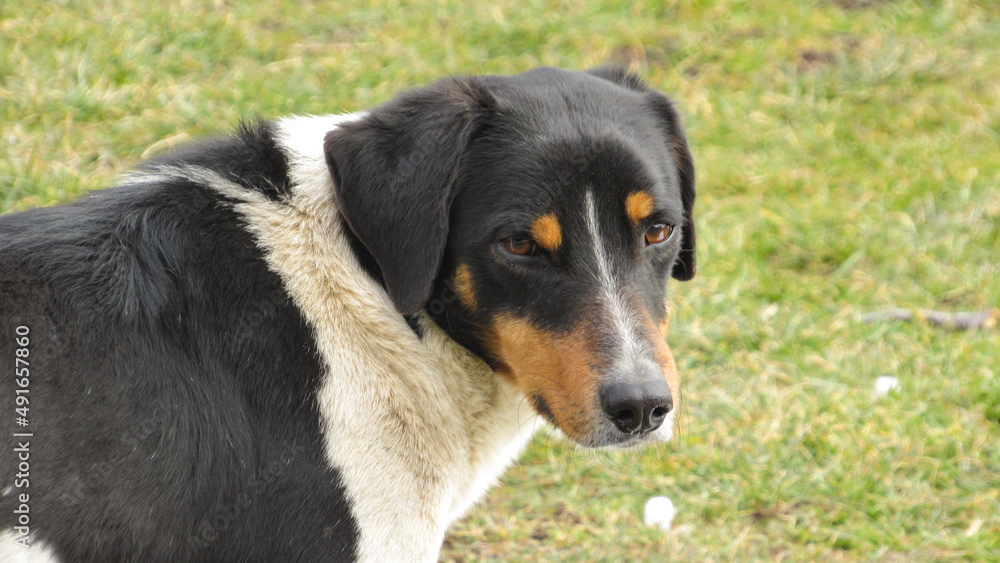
(659, 511)
(884, 384)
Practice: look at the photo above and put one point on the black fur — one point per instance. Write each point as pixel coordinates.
(249, 157)
(393, 173)
(173, 382)
(685, 267)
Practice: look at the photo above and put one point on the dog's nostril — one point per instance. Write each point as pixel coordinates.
(626, 421)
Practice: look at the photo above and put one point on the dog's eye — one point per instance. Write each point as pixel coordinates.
(658, 233)
(519, 246)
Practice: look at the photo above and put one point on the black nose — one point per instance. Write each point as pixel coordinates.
(637, 408)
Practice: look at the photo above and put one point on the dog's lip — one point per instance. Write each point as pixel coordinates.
(628, 442)
(608, 437)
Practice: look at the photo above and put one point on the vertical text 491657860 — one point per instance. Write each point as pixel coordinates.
(22, 440)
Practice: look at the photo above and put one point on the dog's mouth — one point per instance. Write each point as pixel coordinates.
(594, 407)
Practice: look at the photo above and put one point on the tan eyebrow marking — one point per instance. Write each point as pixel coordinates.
(638, 206)
(464, 289)
(547, 232)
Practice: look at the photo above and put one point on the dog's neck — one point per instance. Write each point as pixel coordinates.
(417, 425)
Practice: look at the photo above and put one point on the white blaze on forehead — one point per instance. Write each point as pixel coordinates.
(622, 319)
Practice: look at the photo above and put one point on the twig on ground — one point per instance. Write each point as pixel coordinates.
(964, 320)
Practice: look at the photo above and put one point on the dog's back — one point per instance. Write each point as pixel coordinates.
(160, 426)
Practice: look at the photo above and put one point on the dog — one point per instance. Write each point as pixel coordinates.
(324, 338)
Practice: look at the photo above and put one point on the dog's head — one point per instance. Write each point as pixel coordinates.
(537, 219)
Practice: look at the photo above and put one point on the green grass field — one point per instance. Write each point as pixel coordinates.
(848, 155)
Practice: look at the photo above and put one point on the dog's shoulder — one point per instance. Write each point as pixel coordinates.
(251, 157)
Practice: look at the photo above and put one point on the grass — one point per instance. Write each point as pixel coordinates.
(848, 154)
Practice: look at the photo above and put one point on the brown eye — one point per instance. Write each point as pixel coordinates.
(519, 246)
(658, 233)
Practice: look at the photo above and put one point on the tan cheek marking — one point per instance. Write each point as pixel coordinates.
(638, 206)
(559, 369)
(664, 325)
(547, 232)
(665, 357)
(463, 287)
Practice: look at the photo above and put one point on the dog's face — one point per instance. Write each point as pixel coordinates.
(537, 219)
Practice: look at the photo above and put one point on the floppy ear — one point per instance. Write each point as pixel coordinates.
(684, 267)
(394, 178)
